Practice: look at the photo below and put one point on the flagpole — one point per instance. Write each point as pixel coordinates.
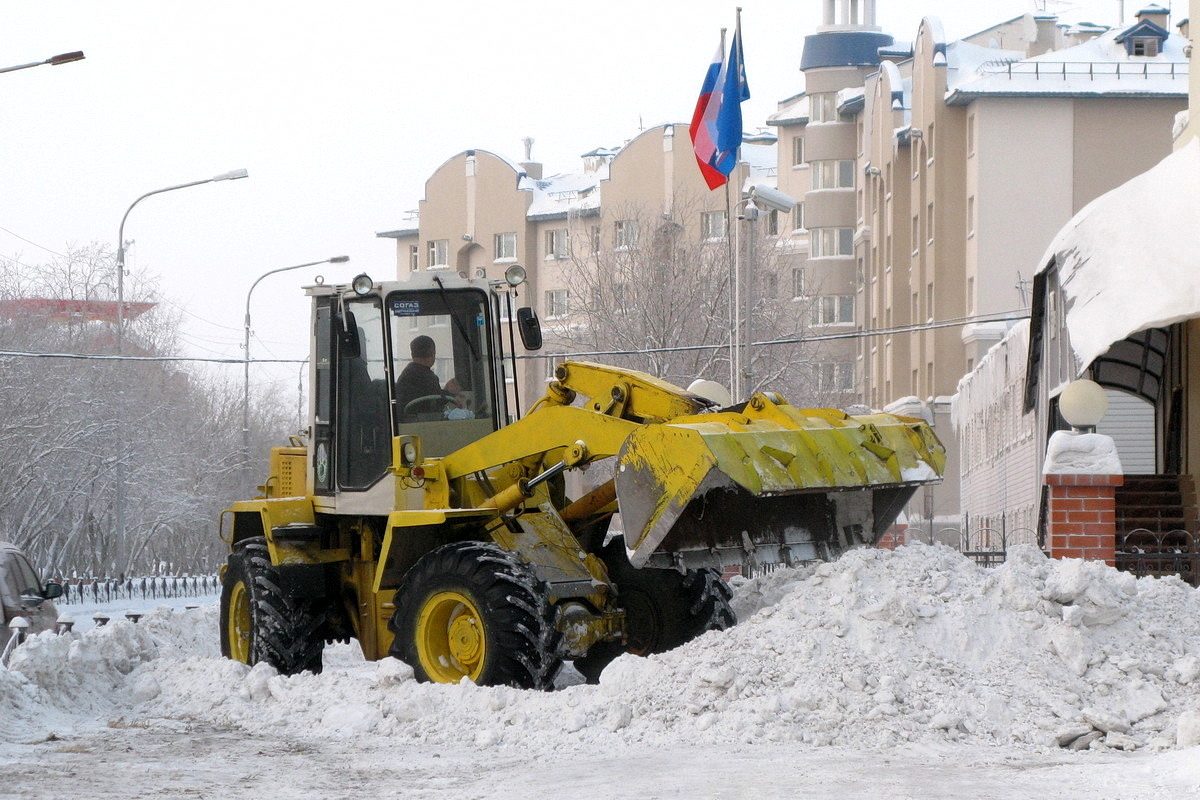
(743, 350)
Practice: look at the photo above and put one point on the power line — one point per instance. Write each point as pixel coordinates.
(30, 241)
(1008, 316)
(101, 357)
(954, 322)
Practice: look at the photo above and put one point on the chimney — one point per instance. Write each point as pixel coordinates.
(1046, 39)
(532, 168)
(1156, 14)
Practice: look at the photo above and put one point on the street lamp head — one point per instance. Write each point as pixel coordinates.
(65, 58)
(339, 259)
(231, 176)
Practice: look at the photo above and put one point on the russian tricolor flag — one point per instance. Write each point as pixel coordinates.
(716, 128)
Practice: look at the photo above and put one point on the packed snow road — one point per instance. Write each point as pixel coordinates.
(906, 674)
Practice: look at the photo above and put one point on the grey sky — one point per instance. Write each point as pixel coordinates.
(340, 111)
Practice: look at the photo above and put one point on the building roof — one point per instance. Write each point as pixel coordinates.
(1126, 261)
(1097, 67)
(70, 310)
(793, 111)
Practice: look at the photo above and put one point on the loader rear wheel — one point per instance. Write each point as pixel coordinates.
(663, 609)
(474, 610)
(259, 622)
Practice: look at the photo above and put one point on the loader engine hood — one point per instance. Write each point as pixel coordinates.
(725, 489)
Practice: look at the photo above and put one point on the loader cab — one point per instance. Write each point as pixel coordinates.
(415, 358)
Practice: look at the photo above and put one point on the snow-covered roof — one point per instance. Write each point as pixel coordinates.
(563, 193)
(791, 111)
(1127, 260)
(763, 161)
(1099, 66)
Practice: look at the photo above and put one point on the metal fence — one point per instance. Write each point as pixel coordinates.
(105, 590)
(1159, 553)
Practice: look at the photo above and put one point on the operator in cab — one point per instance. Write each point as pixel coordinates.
(418, 382)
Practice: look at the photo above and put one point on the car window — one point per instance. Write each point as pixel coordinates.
(25, 579)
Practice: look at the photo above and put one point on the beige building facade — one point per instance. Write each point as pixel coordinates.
(576, 233)
(1004, 415)
(972, 154)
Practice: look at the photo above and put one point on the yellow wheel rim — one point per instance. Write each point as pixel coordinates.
(451, 642)
(239, 624)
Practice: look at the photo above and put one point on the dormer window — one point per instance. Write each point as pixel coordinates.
(1143, 39)
(1143, 46)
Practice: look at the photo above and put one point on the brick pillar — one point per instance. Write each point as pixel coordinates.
(895, 536)
(1082, 516)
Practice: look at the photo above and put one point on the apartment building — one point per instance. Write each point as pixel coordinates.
(628, 252)
(818, 150)
(934, 174)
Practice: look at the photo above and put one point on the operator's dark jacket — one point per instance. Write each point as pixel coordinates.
(416, 380)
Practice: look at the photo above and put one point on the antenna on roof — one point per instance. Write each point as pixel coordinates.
(528, 142)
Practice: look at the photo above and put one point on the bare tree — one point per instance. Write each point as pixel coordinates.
(658, 293)
(68, 423)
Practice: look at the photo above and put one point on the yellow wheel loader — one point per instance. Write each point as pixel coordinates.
(421, 519)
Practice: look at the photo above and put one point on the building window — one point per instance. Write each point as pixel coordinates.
(833, 309)
(798, 151)
(970, 216)
(556, 243)
(799, 282)
(833, 174)
(970, 135)
(625, 234)
(835, 377)
(594, 236)
(822, 107)
(824, 242)
(771, 223)
(798, 216)
(439, 253)
(556, 303)
(414, 258)
(621, 297)
(712, 225)
(1144, 46)
(506, 246)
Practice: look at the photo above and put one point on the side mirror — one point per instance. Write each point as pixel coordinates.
(53, 590)
(349, 345)
(530, 328)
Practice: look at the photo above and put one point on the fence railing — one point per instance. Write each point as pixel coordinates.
(105, 590)
(1086, 69)
(1159, 553)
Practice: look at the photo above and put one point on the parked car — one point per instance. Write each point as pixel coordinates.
(23, 594)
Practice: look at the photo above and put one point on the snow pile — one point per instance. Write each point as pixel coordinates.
(55, 681)
(877, 649)
(1074, 453)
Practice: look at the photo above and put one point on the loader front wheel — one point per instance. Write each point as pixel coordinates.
(474, 610)
(663, 609)
(259, 622)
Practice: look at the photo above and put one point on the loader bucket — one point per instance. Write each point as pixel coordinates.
(725, 489)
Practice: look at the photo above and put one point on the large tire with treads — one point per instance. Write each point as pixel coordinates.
(260, 622)
(664, 608)
(474, 610)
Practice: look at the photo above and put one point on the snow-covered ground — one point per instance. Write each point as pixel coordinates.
(887, 674)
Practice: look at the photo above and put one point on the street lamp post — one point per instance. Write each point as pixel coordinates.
(63, 58)
(224, 176)
(120, 504)
(246, 361)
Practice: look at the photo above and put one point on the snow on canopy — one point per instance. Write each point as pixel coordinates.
(1127, 260)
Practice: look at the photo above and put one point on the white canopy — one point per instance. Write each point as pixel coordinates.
(1130, 259)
